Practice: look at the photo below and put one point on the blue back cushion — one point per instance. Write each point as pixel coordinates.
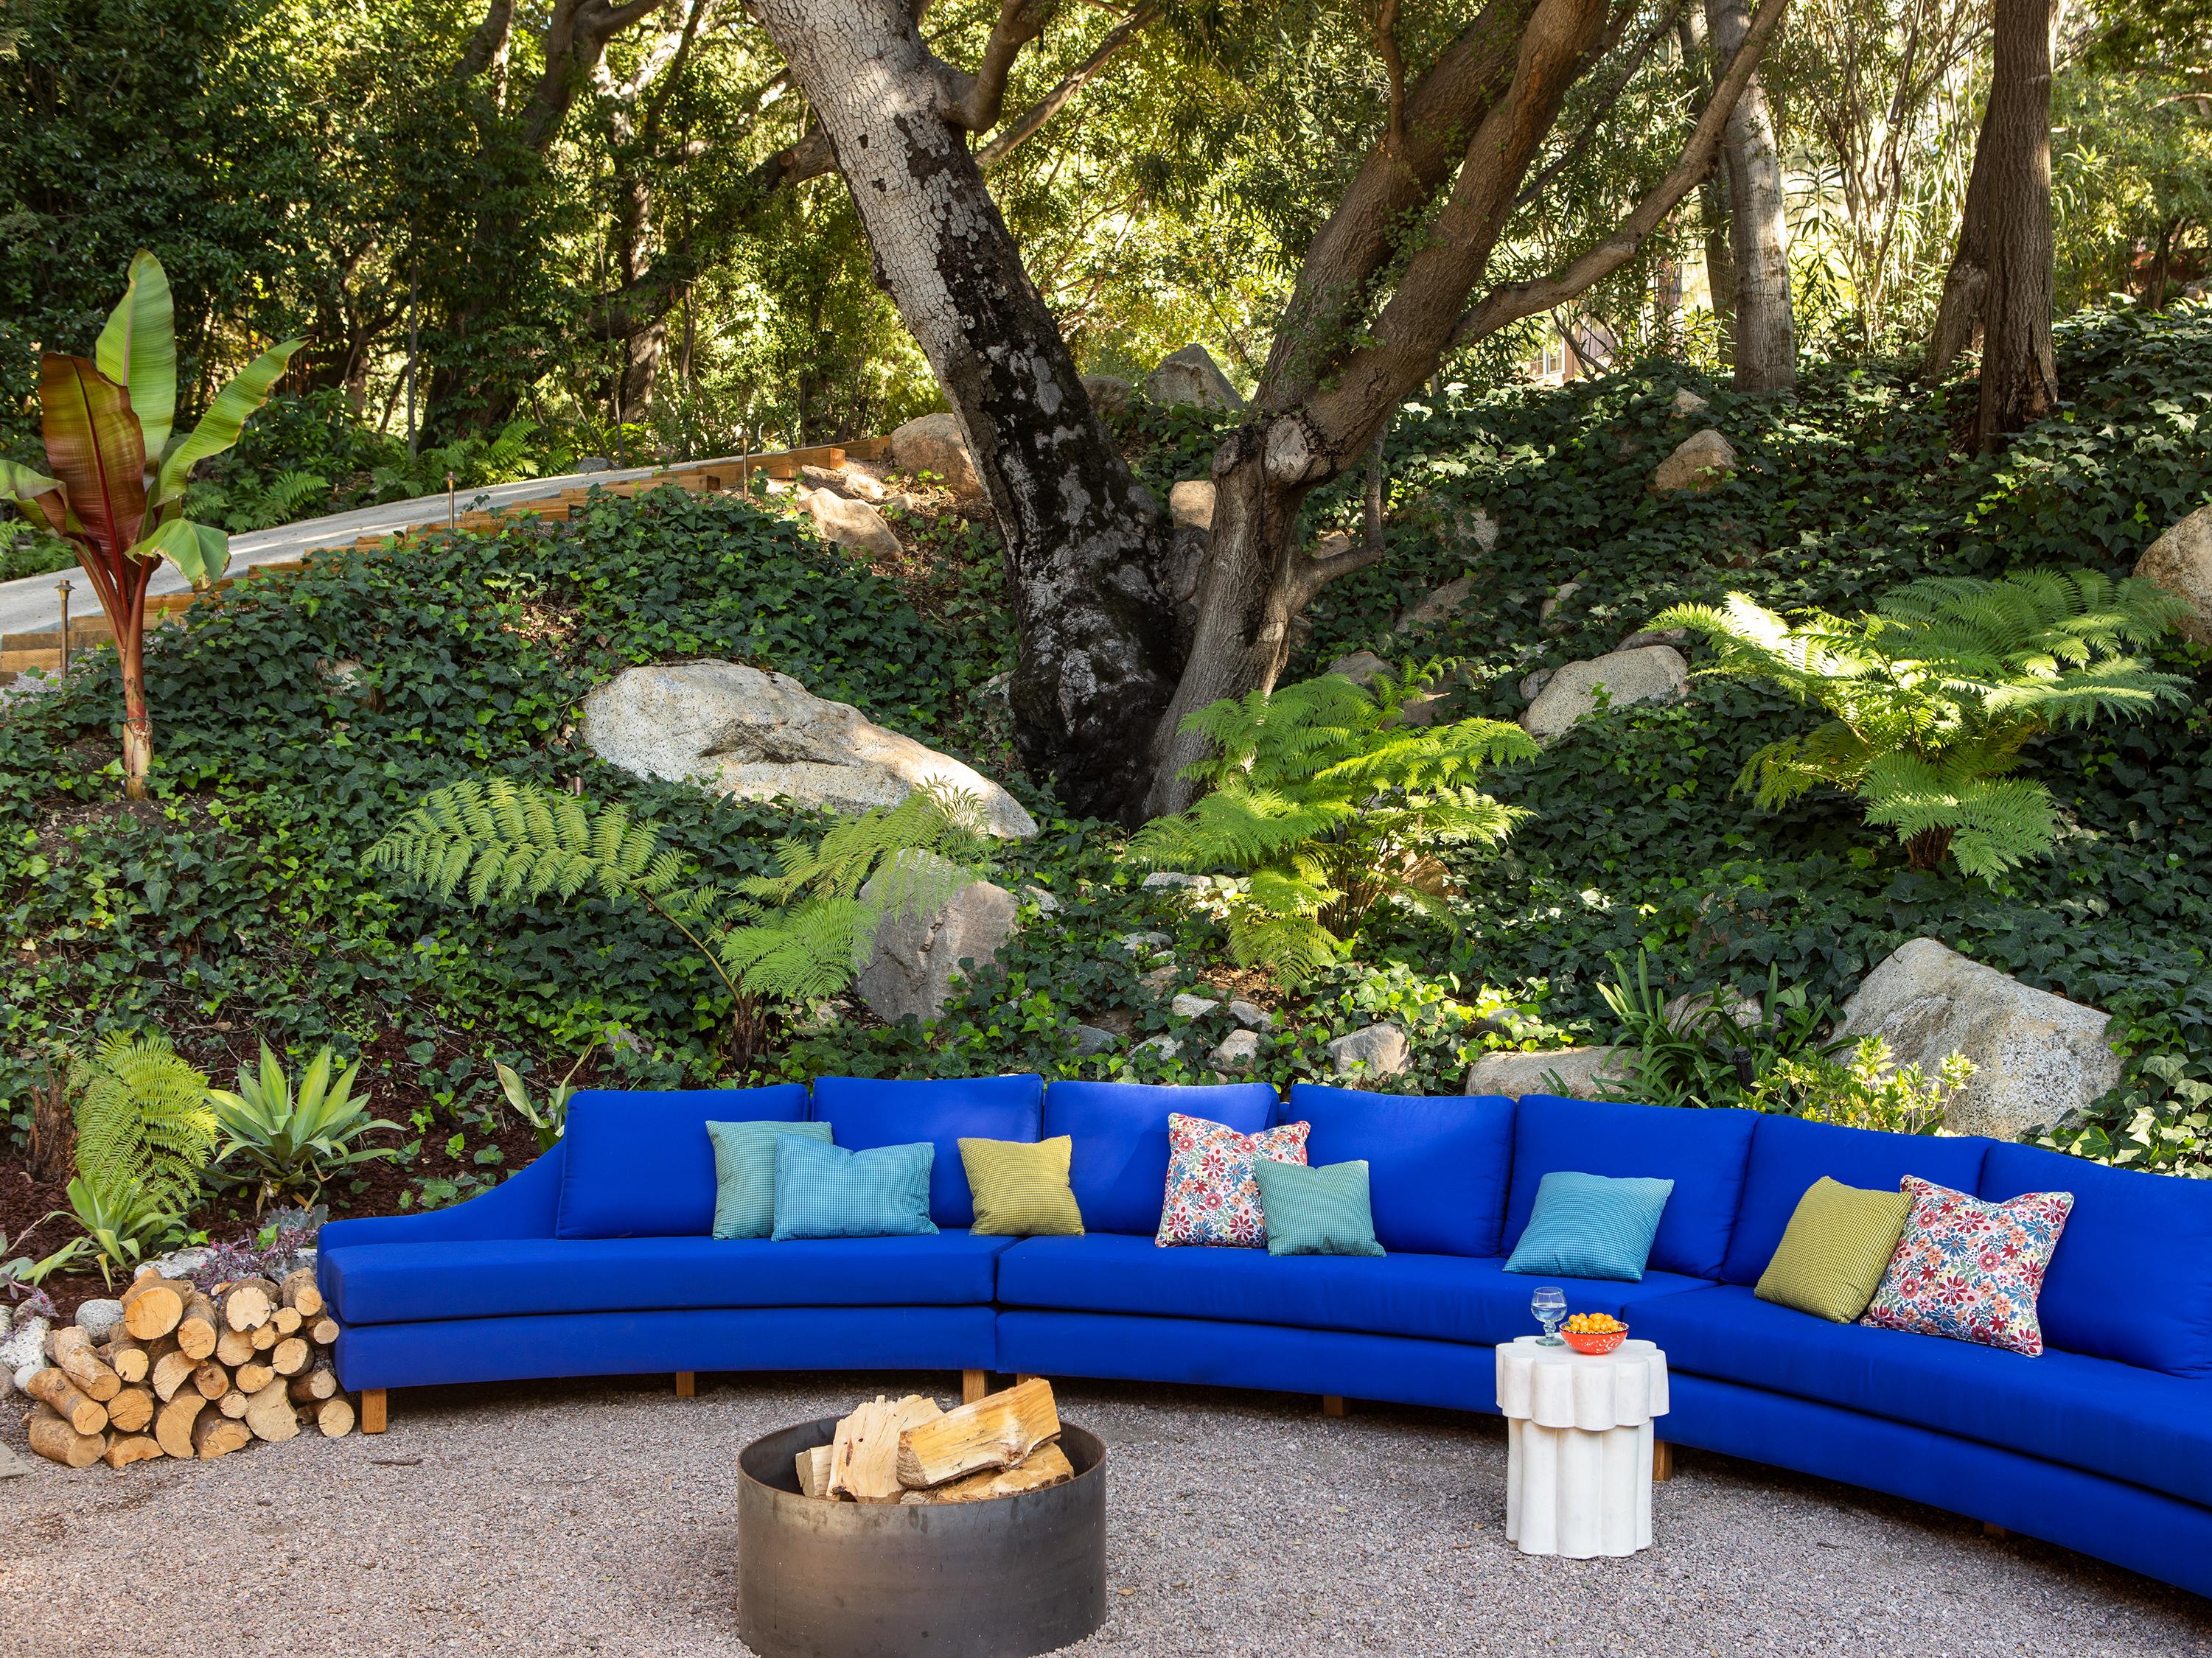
(2131, 1279)
(1437, 1168)
(1703, 1152)
(1118, 1166)
(638, 1161)
(865, 1113)
(1789, 1154)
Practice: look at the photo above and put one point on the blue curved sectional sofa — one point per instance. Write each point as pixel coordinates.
(596, 1260)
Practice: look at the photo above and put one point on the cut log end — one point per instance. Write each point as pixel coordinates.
(153, 1304)
(55, 1392)
(247, 1303)
(216, 1435)
(864, 1463)
(298, 1292)
(334, 1416)
(124, 1449)
(268, 1414)
(173, 1423)
(53, 1437)
(132, 1410)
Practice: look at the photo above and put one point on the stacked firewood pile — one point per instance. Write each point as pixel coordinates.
(911, 1450)
(190, 1374)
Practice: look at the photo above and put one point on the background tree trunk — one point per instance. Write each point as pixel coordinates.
(1085, 543)
(1759, 228)
(1713, 202)
(1960, 311)
(2019, 380)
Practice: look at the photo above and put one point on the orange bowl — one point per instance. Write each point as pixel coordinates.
(1595, 1343)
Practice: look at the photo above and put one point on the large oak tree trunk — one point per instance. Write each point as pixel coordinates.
(1085, 543)
(2019, 380)
(1326, 390)
(1765, 342)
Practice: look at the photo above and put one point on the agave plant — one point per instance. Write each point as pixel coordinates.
(122, 1222)
(288, 1141)
(120, 468)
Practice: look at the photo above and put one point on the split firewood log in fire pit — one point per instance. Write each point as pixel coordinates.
(911, 1451)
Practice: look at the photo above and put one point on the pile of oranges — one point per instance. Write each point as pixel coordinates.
(1594, 1324)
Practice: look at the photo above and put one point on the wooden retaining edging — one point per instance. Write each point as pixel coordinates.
(41, 651)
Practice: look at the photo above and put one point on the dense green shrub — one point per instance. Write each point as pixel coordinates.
(237, 898)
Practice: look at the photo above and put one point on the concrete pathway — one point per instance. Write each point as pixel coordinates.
(29, 604)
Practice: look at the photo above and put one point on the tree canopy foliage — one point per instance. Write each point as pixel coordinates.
(642, 251)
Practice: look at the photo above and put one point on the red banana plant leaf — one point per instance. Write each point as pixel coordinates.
(99, 455)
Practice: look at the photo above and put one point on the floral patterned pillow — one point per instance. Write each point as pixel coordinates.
(1211, 1196)
(1971, 1270)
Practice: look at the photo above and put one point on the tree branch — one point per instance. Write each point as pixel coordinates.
(1383, 204)
(974, 100)
(1394, 66)
(1565, 158)
(1032, 119)
(486, 42)
(1312, 572)
(1505, 306)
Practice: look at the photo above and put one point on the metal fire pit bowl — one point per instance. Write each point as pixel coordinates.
(1005, 1578)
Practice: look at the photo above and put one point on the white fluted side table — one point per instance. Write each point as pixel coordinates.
(1579, 1446)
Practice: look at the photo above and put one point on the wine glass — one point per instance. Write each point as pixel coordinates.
(1549, 1304)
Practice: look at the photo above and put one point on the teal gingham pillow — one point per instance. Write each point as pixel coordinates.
(1316, 1211)
(827, 1192)
(1591, 1226)
(745, 1173)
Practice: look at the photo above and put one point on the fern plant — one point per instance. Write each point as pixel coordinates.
(472, 462)
(145, 1133)
(247, 504)
(1937, 692)
(291, 1141)
(799, 935)
(1330, 804)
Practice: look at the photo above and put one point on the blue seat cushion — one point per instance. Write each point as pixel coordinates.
(1437, 1168)
(639, 1164)
(2131, 1279)
(1788, 1155)
(1118, 1164)
(1438, 1297)
(2139, 1425)
(1703, 1152)
(867, 1112)
(404, 1283)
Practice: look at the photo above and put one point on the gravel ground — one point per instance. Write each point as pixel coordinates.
(599, 1517)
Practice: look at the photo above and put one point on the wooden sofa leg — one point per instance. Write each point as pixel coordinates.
(372, 1410)
(1332, 1404)
(974, 1384)
(1663, 1459)
(1990, 1528)
(687, 1384)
